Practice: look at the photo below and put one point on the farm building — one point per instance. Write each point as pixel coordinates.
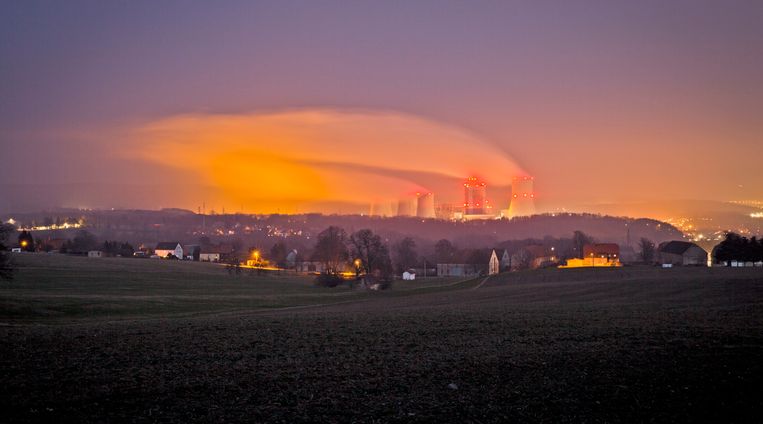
(596, 255)
(681, 253)
(210, 254)
(94, 254)
(166, 248)
(310, 266)
(457, 270)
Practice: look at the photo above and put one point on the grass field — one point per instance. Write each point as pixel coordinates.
(190, 343)
(48, 288)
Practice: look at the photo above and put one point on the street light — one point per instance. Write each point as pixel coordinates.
(256, 256)
(357, 268)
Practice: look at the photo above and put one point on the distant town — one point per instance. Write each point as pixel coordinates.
(414, 243)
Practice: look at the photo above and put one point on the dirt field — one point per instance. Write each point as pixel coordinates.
(609, 345)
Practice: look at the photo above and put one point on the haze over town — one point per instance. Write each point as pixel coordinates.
(260, 109)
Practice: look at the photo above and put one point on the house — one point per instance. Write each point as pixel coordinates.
(291, 258)
(596, 255)
(494, 266)
(457, 270)
(681, 253)
(166, 248)
(95, 254)
(409, 275)
(209, 255)
(505, 261)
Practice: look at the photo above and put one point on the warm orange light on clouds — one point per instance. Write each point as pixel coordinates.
(289, 160)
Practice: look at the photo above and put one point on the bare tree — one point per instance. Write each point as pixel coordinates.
(522, 259)
(445, 252)
(579, 240)
(331, 249)
(647, 249)
(405, 254)
(373, 254)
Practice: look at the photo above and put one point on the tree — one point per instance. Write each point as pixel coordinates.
(26, 241)
(330, 249)
(373, 254)
(445, 252)
(278, 254)
(579, 240)
(6, 265)
(83, 242)
(647, 250)
(405, 254)
(737, 248)
(522, 259)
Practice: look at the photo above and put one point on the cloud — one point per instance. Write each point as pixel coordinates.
(318, 155)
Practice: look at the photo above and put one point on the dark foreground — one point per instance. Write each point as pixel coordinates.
(527, 348)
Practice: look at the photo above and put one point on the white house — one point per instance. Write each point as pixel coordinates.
(409, 275)
(94, 254)
(167, 248)
(494, 266)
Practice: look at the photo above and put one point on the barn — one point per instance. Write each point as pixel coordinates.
(681, 253)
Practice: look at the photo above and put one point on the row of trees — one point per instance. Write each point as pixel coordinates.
(738, 248)
(363, 249)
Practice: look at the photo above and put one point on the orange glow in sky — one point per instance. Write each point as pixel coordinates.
(271, 161)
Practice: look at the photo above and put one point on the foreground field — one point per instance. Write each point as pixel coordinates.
(50, 288)
(626, 345)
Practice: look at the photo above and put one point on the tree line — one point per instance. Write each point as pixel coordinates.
(735, 247)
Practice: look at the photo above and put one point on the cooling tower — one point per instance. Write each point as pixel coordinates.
(425, 205)
(522, 197)
(407, 206)
(474, 196)
(383, 208)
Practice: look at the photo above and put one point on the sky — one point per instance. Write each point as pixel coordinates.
(328, 106)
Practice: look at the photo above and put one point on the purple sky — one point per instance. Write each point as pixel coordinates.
(601, 101)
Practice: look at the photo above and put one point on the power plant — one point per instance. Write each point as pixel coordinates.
(475, 205)
(522, 202)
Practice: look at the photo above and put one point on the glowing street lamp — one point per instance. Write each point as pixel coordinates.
(256, 256)
(357, 268)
